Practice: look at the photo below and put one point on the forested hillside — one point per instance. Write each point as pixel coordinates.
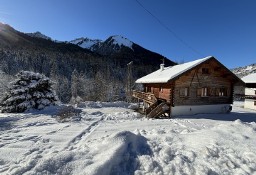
(87, 75)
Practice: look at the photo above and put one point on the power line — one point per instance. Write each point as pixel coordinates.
(169, 30)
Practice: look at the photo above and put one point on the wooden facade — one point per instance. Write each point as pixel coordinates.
(208, 83)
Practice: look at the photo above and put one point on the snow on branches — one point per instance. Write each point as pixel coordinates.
(29, 91)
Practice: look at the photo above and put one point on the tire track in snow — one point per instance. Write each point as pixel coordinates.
(34, 156)
(74, 143)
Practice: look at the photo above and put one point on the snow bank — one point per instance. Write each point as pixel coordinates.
(98, 104)
(120, 154)
(218, 150)
(126, 115)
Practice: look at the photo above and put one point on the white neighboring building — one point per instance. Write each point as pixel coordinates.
(250, 91)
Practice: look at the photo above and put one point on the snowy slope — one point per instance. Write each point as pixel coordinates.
(86, 42)
(251, 78)
(38, 35)
(121, 41)
(111, 139)
(243, 71)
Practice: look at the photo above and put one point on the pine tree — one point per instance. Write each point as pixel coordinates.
(74, 88)
(74, 83)
(29, 90)
(4, 80)
(100, 87)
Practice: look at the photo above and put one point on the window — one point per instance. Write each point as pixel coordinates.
(223, 92)
(205, 71)
(184, 92)
(148, 89)
(161, 89)
(212, 92)
(255, 92)
(203, 92)
(254, 103)
(217, 91)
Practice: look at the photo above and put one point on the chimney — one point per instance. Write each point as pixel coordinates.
(161, 67)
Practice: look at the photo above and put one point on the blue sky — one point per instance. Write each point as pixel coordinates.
(225, 29)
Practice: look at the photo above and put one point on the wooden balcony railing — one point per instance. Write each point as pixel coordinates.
(148, 97)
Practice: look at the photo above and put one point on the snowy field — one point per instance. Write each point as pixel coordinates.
(111, 139)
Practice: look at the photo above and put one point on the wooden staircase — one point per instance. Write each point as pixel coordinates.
(157, 107)
(159, 110)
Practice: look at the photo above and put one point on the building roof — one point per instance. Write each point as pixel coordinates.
(168, 73)
(251, 78)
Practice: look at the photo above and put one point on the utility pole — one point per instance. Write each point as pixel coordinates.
(129, 82)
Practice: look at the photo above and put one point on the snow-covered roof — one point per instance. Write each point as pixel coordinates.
(251, 78)
(168, 73)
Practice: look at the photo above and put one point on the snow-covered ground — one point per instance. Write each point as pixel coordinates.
(112, 139)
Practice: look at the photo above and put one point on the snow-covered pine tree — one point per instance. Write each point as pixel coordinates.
(75, 83)
(29, 90)
(4, 80)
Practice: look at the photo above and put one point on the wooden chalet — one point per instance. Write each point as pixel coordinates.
(250, 91)
(200, 86)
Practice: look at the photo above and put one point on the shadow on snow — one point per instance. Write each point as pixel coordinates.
(243, 116)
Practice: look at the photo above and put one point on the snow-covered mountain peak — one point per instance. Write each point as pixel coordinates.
(246, 70)
(86, 43)
(39, 35)
(112, 43)
(120, 40)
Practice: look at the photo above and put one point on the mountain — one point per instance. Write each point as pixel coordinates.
(244, 71)
(100, 67)
(86, 43)
(11, 39)
(113, 43)
(38, 35)
(121, 48)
